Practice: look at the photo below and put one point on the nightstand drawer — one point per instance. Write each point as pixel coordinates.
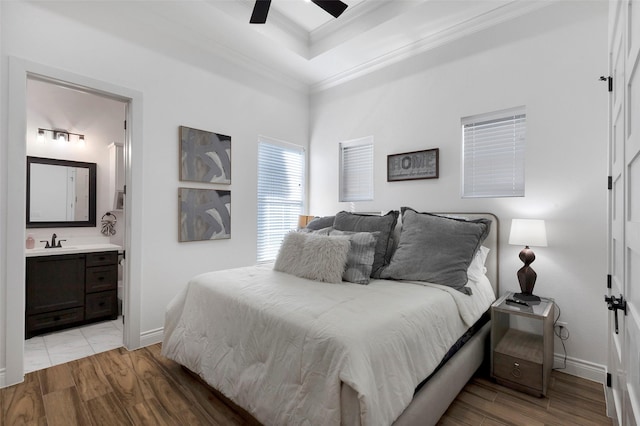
(517, 370)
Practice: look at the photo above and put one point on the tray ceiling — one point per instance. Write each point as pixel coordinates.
(300, 45)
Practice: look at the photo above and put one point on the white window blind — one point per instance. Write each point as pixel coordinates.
(493, 154)
(280, 194)
(356, 170)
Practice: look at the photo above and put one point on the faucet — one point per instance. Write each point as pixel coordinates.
(53, 242)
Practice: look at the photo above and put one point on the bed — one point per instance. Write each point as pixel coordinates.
(293, 350)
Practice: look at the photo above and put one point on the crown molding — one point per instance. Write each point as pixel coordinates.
(446, 35)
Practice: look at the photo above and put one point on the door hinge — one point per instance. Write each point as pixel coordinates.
(609, 182)
(609, 281)
(608, 380)
(125, 124)
(124, 189)
(609, 80)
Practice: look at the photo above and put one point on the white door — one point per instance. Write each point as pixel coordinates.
(623, 298)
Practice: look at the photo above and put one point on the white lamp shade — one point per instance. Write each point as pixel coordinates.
(528, 232)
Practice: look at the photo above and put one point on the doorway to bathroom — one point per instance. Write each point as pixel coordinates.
(20, 71)
(69, 124)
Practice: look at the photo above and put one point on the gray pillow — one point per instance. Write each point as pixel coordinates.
(323, 231)
(345, 221)
(360, 256)
(320, 222)
(436, 249)
(315, 257)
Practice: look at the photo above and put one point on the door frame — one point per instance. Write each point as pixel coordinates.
(19, 71)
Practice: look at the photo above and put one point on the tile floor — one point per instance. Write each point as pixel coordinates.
(75, 343)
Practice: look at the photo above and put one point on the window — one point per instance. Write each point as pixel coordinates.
(493, 154)
(356, 170)
(280, 194)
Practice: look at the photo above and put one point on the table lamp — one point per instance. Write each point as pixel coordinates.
(527, 232)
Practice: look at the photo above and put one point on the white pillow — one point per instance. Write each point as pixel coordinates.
(290, 253)
(312, 256)
(476, 269)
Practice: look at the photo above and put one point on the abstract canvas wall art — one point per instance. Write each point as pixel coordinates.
(204, 156)
(205, 214)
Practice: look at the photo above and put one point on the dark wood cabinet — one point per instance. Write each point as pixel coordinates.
(55, 283)
(69, 290)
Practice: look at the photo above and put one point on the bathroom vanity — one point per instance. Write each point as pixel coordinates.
(70, 286)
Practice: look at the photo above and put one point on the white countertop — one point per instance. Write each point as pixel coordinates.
(71, 249)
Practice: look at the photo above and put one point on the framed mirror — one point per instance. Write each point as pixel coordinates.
(60, 193)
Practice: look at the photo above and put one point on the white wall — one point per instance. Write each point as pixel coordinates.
(174, 93)
(549, 61)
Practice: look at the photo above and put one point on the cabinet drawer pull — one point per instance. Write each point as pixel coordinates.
(101, 304)
(56, 318)
(100, 278)
(515, 372)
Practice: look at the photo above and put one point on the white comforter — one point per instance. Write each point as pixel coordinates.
(281, 346)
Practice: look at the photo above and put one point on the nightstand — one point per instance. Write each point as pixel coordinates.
(522, 359)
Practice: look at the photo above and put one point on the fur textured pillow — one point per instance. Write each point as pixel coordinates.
(290, 253)
(315, 257)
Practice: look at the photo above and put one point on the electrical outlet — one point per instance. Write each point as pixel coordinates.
(561, 330)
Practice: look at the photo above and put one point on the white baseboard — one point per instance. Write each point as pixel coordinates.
(3, 380)
(581, 368)
(151, 337)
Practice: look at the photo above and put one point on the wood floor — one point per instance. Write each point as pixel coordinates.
(143, 388)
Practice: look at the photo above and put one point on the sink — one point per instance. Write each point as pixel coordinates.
(44, 251)
(82, 248)
(52, 248)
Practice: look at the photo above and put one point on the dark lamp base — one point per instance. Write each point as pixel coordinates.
(526, 297)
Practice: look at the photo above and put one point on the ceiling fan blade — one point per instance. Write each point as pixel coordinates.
(333, 7)
(260, 12)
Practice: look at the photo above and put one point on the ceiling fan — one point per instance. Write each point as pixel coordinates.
(261, 9)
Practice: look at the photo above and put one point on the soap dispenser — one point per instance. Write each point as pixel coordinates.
(30, 241)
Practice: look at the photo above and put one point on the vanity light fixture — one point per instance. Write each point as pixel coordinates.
(59, 135)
